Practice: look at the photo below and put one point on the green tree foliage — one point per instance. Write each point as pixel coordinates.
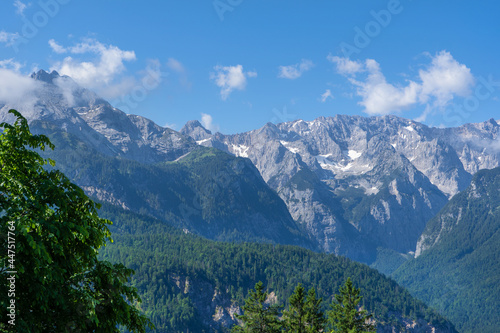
(345, 317)
(54, 234)
(295, 316)
(259, 317)
(304, 314)
(314, 316)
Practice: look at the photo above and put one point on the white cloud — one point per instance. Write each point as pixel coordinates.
(153, 75)
(11, 64)
(121, 87)
(293, 72)
(171, 126)
(57, 48)
(133, 90)
(443, 79)
(230, 78)
(423, 116)
(345, 66)
(207, 122)
(8, 38)
(99, 74)
(252, 74)
(177, 67)
(67, 87)
(380, 97)
(17, 90)
(495, 145)
(20, 7)
(327, 94)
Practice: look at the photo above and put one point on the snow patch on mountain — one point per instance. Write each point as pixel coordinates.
(287, 145)
(325, 163)
(409, 128)
(354, 154)
(240, 150)
(371, 190)
(351, 167)
(202, 141)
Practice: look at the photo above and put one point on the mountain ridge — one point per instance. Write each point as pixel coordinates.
(401, 162)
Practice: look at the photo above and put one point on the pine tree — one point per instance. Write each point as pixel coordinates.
(295, 317)
(258, 317)
(345, 317)
(314, 316)
(304, 314)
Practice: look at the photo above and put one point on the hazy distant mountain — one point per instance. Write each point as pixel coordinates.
(457, 270)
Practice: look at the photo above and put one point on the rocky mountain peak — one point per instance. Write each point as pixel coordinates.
(44, 76)
(195, 129)
(61, 103)
(193, 124)
(493, 122)
(269, 130)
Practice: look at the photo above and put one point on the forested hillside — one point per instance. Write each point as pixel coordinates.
(186, 281)
(458, 271)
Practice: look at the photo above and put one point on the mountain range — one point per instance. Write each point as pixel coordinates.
(376, 190)
(359, 184)
(131, 162)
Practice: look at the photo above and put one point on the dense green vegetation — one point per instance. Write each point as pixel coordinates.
(460, 274)
(257, 315)
(164, 258)
(345, 317)
(389, 260)
(52, 280)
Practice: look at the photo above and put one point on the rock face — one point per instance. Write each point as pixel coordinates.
(215, 308)
(359, 183)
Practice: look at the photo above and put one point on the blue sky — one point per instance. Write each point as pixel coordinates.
(238, 64)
